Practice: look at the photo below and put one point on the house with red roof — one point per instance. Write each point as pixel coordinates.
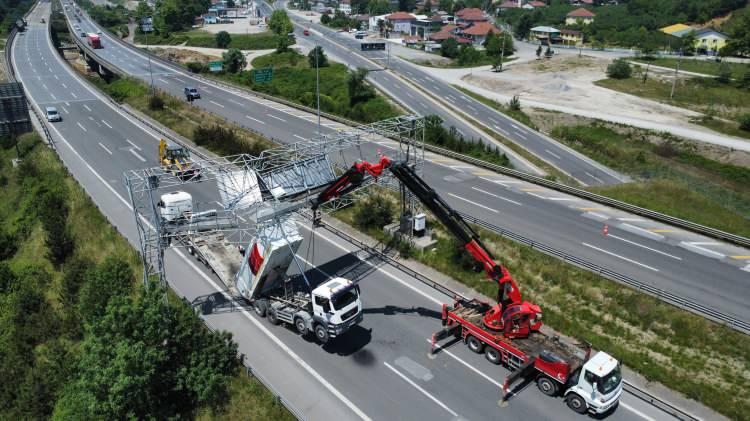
(478, 32)
(401, 22)
(509, 4)
(579, 16)
(470, 15)
(449, 31)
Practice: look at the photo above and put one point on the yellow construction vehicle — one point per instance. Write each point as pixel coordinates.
(176, 159)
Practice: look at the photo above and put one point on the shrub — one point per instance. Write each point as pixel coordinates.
(515, 103)
(745, 81)
(449, 48)
(375, 211)
(317, 57)
(196, 67)
(745, 122)
(325, 19)
(234, 61)
(223, 39)
(156, 103)
(619, 69)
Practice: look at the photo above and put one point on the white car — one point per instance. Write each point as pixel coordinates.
(52, 114)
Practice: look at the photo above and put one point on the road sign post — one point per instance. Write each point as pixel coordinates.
(263, 75)
(215, 66)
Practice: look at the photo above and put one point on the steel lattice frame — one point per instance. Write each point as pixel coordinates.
(236, 226)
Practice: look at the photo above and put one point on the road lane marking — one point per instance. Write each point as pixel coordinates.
(133, 144)
(105, 148)
(620, 257)
(419, 388)
(236, 102)
(136, 154)
(45, 87)
(531, 190)
(514, 126)
(635, 411)
(87, 107)
(277, 118)
(216, 103)
(254, 119)
(106, 124)
(563, 199)
(74, 95)
(590, 209)
(469, 366)
(178, 79)
(661, 230)
(740, 257)
(53, 96)
(503, 131)
(163, 80)
(502, 182)
(497, 196)
(81, 126)
(64, 86)
(594, 177)
(64, 109)
(645, 247)
(631, 219)
(629, 227)
(696, 246)
(552, 153)
(299, 137)
(473, 203)
(520, 135)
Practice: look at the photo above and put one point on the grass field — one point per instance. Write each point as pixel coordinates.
(703, 360)
(262, 41)
(698, 65)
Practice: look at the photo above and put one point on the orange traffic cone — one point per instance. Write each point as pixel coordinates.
(605, 230)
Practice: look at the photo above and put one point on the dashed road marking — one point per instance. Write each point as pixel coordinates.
(620, 257)
(105, 148)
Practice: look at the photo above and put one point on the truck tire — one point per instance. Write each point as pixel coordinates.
(299, 323)
(492, 355)
(547, 386)
(576, 403)
(321, 333)
(260, 307)
(475, 344)
(272, 317)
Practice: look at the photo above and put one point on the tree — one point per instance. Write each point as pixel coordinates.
(468, 55)
(142, 10)
(358, 89)
(449, 48)
(280, 25)
(745, 122)
(688, 43)
(739, 33)
(317, 57)
(427, 7)
(496, 46)
(619, 69)
(724, 75)
(147, 358)
(234, 61)
(447, 6)
(223, 39)
(111, 278)
(325, 19)
(524, 26)
(381, 27)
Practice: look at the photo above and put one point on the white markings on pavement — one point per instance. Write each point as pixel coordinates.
(64, 86)
(136, 154)
(216, 103)
(299, 137)
(236, 102)
(53, 96)
(419, 388)
(81, 126)
(45, 87)
(473, 203)
(254, 119)
(179, 80)
(639, 230)
(105, 148)
(167, 82)
(497, 196)
(645, 247)
(423, 104)
(277, 118)
(106, 124)
(501, 182)
(133, 144)
(56, 78)
(65, 109)
(594, 177)
(74, 95)
(630, 219)
(472, 107)
(520, 135)
(563, 199)
(696, 247)
(87, 107)
(635, 411)
(552, 153)
(503, 131)
(515, 127)
(620, 257)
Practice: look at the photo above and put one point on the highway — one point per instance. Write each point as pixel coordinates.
(380, 372)
(701, 269)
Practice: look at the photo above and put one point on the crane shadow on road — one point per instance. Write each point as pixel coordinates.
(218, 303)
(390, 310)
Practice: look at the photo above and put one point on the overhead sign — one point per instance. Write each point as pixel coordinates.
(369, 46)
(14, 110)
(263, 75)
(147, 24)
(215, 66)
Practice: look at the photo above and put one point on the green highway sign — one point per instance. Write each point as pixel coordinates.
(215, 66)
(263, 75)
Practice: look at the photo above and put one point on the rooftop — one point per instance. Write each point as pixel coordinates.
(481, 28)
(581, 13)
(400, 16)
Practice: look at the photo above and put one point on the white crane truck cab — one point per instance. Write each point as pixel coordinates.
(336, 307)
(175, 205)
(598, 387)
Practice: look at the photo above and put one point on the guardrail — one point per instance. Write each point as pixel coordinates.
(656, 402)
(658, 216)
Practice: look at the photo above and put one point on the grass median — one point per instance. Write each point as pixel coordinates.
(697, 65)
(259, 41)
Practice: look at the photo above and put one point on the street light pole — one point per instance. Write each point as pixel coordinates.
(317, 82)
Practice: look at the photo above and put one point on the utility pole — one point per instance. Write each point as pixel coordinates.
(502, 51)
(676, 72)
(317, 82)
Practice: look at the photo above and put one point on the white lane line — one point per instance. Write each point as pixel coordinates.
(537, 195)
(620, 257)
(56, 78)
(497, 196)
(423, 104)
(74, 95)
(500, 129)
(631, 228)
(630, 219)
(167, 82)
(594, 177)
(501, 182)
(473, 203)
(106, 124)
(65, 109)
(409, 94)
(695, 245)
(45, 87)
(216, 103)
(105, 148)
(469, 366)
(133, 144)
(299, 137)
(53, 96)
(424, 392)
(563, 199)
(450, 100)
(277, 118)
(67, 103)
(645, 247)
(64, 86)
(474, 109)
(236, 102)
(136, 155)
(87, 107)
(515, 127)
(635, 411)
(520, 135)
(81, 126)
(254, 119)
(552, 153)
(179, 80)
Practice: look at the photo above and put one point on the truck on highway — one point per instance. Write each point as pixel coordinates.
(509, 331)
(258, 273)
(93, 40)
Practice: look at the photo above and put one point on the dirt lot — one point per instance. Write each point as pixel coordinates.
(185, 55)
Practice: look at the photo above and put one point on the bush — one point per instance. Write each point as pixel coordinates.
(234, 61)
(745, 122)
(449, 48)
(223, 39)
(325, 19)
(317, 57)
(515, 103)
(375, 211)
(196, 67)
(619, 69)
(156, 103)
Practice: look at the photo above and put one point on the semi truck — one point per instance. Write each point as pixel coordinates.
(93, 40)
(509, 331)
(257, 273)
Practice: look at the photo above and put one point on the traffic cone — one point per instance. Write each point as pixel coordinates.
(605, 230)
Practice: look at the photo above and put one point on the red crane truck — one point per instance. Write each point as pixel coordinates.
(507, 332)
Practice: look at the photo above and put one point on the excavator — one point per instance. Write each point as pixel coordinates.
(511, 315)
(176, 160)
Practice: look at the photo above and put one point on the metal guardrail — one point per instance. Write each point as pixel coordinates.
(676, 300)
(656, 402)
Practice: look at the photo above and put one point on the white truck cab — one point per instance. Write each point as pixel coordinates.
(598, 387)
(175, 205)
(336, 305)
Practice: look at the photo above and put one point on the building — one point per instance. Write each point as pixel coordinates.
(509, 4)
(363, 22)
(709, 41)
(545, 34)
(582, 2)
(571, 37)
(401, 22)
(478, 32)
(470, 16)
(579, 16)
(345, 6)
(424, 27)
(677, 29)
(373, 22)
(449, 31)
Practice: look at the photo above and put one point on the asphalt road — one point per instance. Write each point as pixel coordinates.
(691, 266)
(380, 372)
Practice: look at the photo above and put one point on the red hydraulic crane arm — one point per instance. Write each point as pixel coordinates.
(350, 180)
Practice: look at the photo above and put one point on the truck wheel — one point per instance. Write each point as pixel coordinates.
(260, 307)
(272, 317)
(475, 344)
(299, 323)
(576, 403)
(492, 355)
(547, 385)
(321, 333)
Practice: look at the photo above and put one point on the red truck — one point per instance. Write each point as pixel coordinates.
(93, 40)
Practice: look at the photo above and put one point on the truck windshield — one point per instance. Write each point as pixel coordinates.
(610, 382)
(345, 299)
